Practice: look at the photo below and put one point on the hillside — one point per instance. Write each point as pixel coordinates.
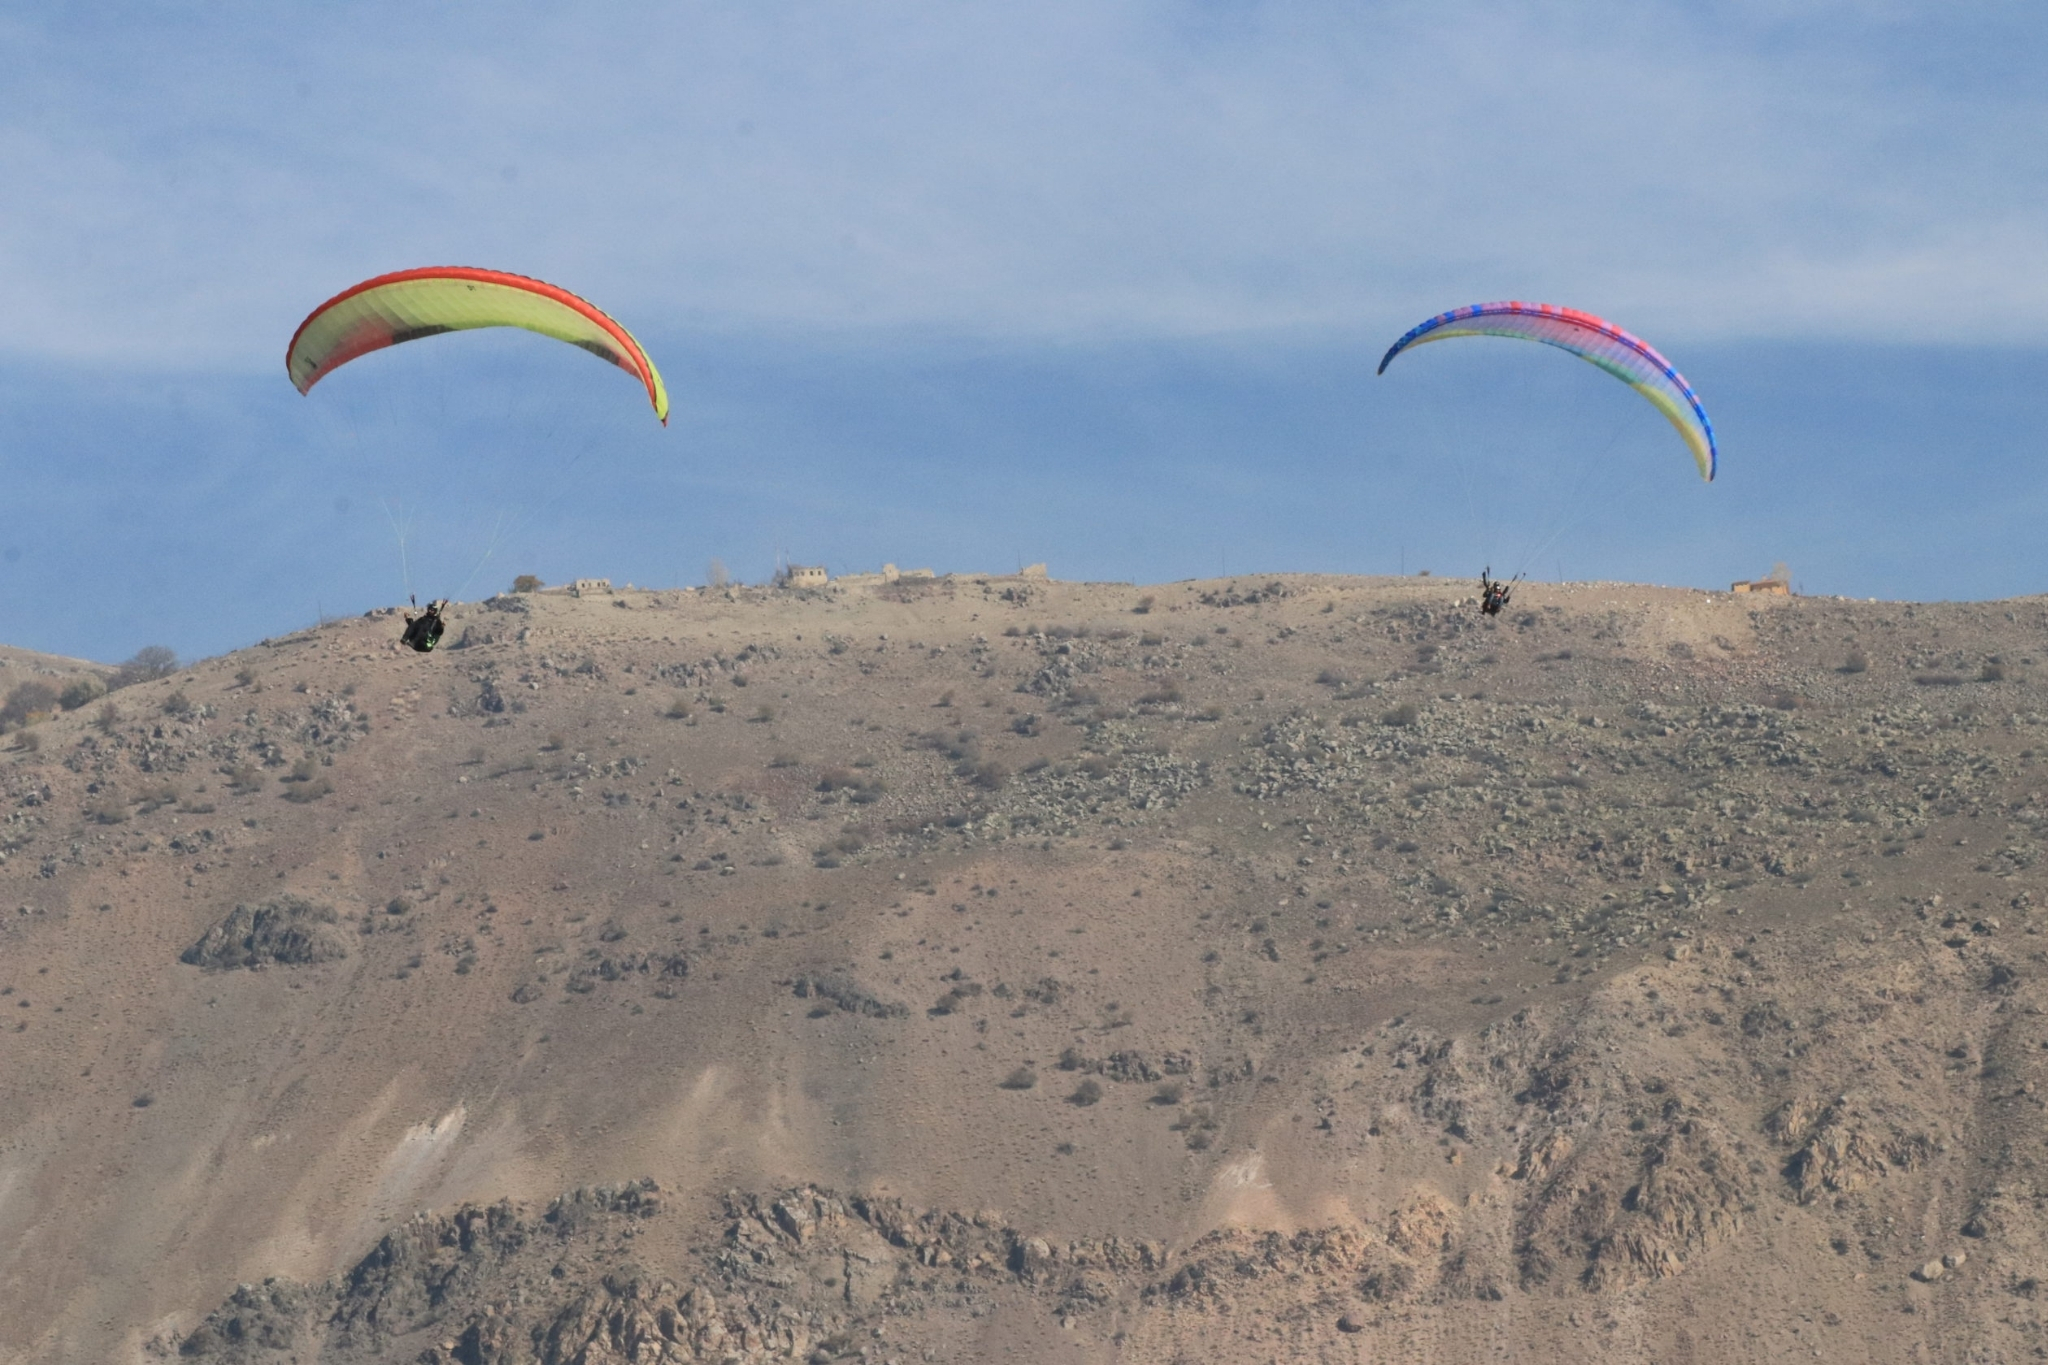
(991, 969)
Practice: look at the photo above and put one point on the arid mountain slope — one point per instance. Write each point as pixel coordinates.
(993, 969)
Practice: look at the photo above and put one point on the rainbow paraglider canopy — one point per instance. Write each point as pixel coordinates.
(409, 304)
(1628, 358)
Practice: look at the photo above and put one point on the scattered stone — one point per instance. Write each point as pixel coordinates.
(847, 995)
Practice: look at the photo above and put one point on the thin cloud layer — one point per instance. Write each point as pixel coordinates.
(183, 187)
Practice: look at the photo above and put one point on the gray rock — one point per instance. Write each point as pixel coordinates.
(286, 932)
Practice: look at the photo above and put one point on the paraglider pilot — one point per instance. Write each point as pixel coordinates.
(423, 632)
(1493, 596)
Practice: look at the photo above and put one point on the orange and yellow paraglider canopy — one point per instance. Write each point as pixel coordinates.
(409, 304)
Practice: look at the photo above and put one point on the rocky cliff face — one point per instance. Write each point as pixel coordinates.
(1300, 968)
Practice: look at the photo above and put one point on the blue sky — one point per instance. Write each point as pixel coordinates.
(1101, 284)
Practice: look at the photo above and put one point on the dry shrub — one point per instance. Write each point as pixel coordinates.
(27, 702)
(1857, 662)
(148, 664)
(82, 690)
(1086, 1093)
(908, 589)
(162, 794)
(1023, 1078)
(304, 792)
(1407, 713)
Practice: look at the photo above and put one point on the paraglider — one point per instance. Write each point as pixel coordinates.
(409, 304)
(424, 631)
(1494, 596)
(1595, 340)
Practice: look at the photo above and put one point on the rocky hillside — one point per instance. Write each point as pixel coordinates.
(991, 969)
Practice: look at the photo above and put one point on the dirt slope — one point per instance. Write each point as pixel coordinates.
(991, 969)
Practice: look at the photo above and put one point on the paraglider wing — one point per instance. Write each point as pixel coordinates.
(410, 304)
(1628, 358)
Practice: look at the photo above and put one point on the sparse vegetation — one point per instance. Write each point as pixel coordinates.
(1691, 944)
(308, 791)
(527, 582)
(27, 703)
(82, 691)
(146, 665)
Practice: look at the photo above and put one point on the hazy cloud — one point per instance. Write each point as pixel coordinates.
(185, 184)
